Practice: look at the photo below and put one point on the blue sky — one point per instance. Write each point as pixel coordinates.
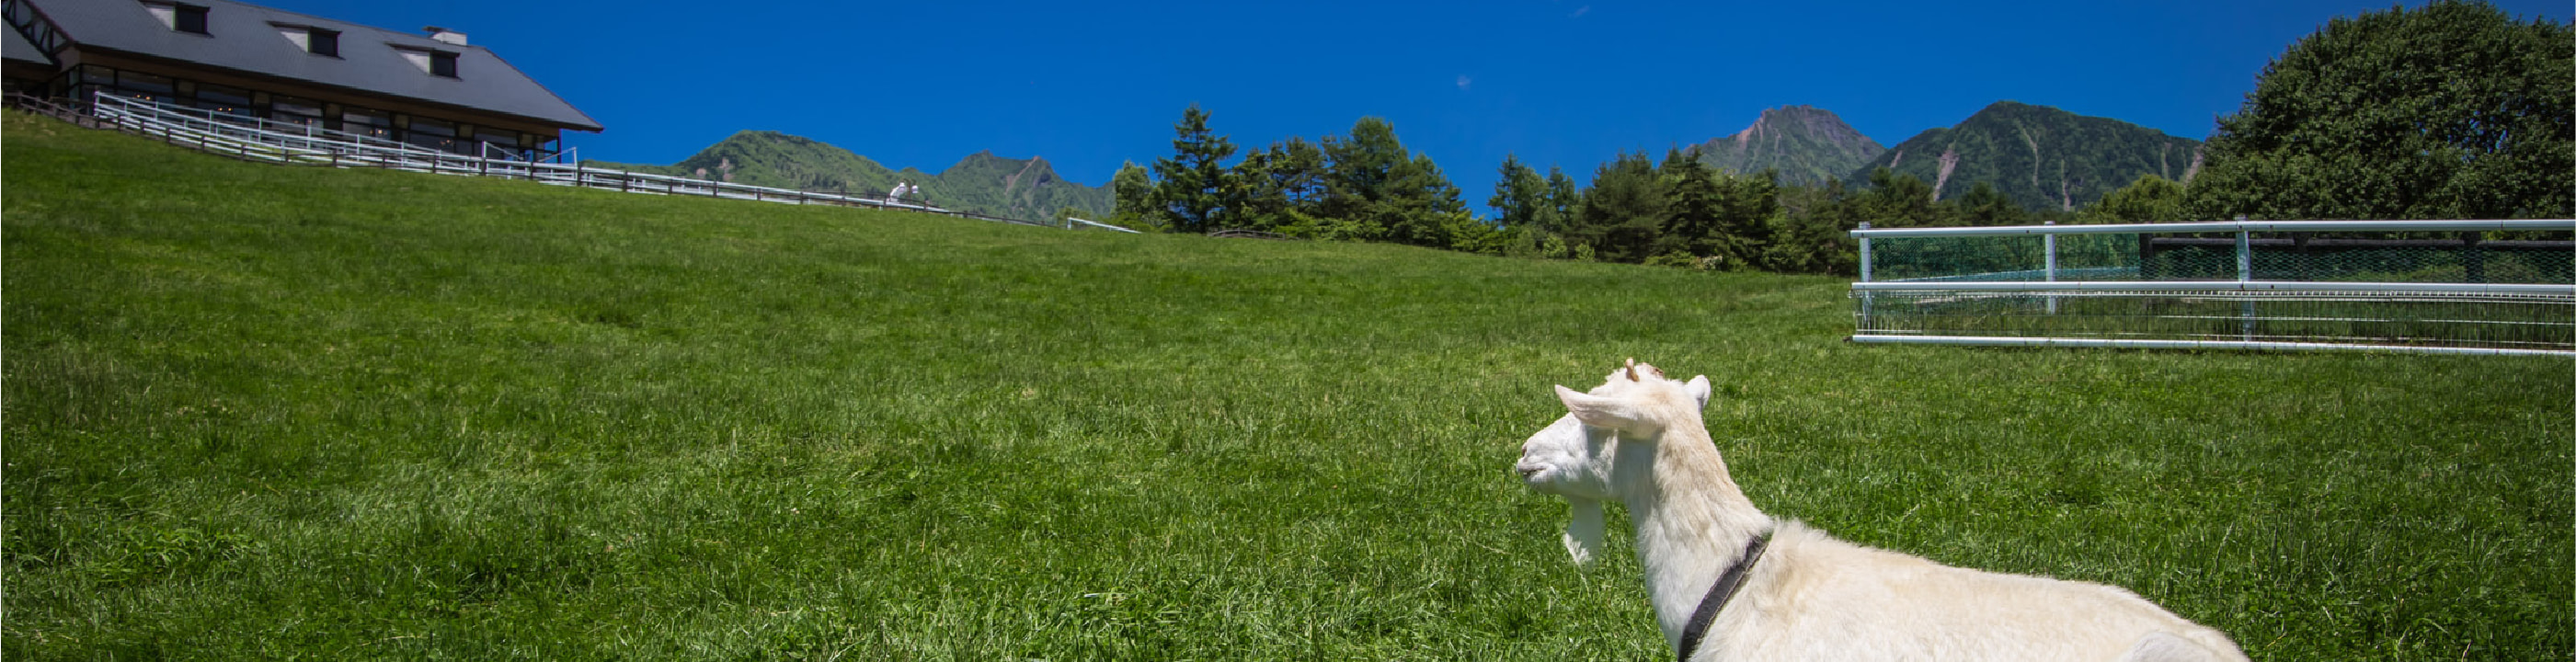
(1568, 82)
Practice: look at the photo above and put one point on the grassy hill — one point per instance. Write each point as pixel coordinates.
(2044, 158)
(258, 412)
(1808, 145)
(1011, 188)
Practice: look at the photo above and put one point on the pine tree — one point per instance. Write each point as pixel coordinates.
(1748, 206)
(1984, 205)
(1563, 198)
(1191, 197)
(1518, 194)
(1623, 212)
(1691, 216)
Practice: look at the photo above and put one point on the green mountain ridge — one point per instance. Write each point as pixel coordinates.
(2043, 158)
(1807, 145)
(1026, 189)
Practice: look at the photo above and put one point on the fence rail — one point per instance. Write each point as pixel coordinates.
(267, 141)
(2138, 286)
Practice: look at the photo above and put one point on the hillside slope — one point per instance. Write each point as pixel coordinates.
(983, 183)
(1807, 145)
(2044, 158)
(258, 412)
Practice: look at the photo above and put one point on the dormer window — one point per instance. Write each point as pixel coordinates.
(191, 18)
(311, 39)
(435, 63)
(322, 42)
(179, 16)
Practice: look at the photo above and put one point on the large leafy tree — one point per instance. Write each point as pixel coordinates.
(2150, 199)
(1133, 191)
(1192, 195)
(2451, 110)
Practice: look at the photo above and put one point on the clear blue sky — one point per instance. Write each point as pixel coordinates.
(1569, 82)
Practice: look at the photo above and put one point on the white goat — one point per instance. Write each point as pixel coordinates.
(1782, 591)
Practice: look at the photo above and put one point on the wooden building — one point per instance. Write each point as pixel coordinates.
(433, 90)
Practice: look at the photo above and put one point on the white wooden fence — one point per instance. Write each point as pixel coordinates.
(267, 141)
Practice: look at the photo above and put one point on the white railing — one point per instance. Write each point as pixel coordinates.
(256, 139)
(2449, 306)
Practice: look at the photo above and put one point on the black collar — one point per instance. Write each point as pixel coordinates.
(1721, 593)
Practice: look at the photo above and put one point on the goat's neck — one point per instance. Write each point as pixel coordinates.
(1692, 522)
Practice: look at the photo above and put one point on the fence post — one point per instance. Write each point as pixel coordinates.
(2050, 242)
(2245, 272)
(1865, 296)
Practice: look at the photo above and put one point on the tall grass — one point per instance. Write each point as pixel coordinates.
(257, 412)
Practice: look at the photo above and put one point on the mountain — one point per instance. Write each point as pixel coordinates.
(1020, 188)
(1809, 146)
(2042, 157)
(983, 183)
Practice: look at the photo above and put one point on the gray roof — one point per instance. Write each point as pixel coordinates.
(242, 38)
(14, 46)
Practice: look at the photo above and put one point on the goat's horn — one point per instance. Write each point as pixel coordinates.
(1632, 368)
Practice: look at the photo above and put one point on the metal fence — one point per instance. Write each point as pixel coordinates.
(2487, 287)
(266, 141)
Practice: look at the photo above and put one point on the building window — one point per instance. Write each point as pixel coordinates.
(189, 18)
(365, 122)
(310, 39)
(226, 100)
(434, 134)
(436, 63)
(295, 110)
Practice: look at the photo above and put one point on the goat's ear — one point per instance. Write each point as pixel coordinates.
(1601, 412)
(1698, 387)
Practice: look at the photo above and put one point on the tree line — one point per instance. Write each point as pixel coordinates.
(2332, 131)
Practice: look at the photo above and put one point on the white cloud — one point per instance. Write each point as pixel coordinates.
(1464, 81)
(1580, 11)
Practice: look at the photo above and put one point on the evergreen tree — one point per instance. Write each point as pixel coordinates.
(1899, 201)
(1361, 169)
(1985, 205)
(1300, 169)
(1563, 198)
(1812, 235)
(1691, 215)
(1422, 208)
(1747, 208)
(1192, 195)
(2450, 110)
(1518, 195)
(1623, 212)
(1252, 197)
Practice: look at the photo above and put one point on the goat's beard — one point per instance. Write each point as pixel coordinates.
(1583, 532)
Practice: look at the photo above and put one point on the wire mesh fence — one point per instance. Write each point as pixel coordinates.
(2499, 285)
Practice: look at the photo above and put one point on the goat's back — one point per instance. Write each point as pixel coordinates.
(1813, 597)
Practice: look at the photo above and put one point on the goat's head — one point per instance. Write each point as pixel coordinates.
(1578, 456)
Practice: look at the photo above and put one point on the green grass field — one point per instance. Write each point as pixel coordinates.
(258, 412)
